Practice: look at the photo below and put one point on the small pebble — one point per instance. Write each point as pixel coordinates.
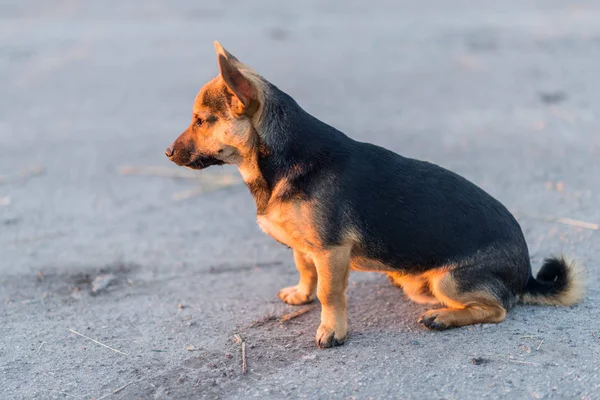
(101, 282)
(479, 360)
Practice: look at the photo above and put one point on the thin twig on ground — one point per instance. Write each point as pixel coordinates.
(117, 390)
(239, 340)
(197, 383)
(97, 342)
(39, 348)
(540, 345)
(296, 314)
(260, 322)
(66, 394)
(244, 366)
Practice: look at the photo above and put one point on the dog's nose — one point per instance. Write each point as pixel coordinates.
(169, 151)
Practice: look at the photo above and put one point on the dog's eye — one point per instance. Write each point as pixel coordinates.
(198, 122)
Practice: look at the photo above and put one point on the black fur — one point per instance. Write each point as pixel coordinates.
(413, 215)
(552, 279)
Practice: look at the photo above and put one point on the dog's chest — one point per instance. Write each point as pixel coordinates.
(287, 228)
(275, 229)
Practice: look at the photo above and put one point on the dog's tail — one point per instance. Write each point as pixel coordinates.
(558, 283)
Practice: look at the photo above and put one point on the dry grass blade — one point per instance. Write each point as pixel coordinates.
(42, 236)
(188, 193)
(210, 183)
(561, 220)
(164, 172)
(574, 222)
(22, 175)
(97, 342)
(540, 345)
(39, 348)
(522, 362)
(296, 314)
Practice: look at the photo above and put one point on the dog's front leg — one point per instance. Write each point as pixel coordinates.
(304, 291)
(333, 267)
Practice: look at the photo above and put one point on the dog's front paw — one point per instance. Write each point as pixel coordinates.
(293, 295)
(434, 319)
(329, 337)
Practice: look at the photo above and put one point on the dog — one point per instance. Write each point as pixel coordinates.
(344, 205)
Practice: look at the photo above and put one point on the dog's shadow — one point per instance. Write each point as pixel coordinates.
(375, 305)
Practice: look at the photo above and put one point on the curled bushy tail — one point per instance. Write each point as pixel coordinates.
(559, 283)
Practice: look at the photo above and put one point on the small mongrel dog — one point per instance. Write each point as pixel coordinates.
(342, 204)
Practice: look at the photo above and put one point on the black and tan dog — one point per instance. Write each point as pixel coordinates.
(342, 204)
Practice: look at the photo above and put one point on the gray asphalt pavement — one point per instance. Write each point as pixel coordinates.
(100, 234)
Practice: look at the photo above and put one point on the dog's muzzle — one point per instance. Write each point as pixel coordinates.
(198, 162)
(204, 162)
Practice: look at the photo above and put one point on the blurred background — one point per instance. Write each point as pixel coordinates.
(101, 234)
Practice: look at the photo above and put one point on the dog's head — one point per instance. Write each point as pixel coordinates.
(221, 131)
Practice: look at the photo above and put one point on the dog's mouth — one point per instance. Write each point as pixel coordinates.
(201, 162)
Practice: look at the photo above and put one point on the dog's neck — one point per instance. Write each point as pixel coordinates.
(258, 169)
(288, 144)
(255, 181)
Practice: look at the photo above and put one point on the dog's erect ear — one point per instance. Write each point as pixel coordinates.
(240, 85)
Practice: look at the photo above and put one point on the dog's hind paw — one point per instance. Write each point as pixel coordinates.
(430, 320)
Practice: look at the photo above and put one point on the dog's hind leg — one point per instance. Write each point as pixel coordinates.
(416, 287)
(466, 304)
(304, 291)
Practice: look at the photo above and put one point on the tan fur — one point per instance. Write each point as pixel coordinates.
(333, 269)
(234, 137)
(228, 113)
(304, 291)
(416, 287)
(439, 287)
(572, 295)
(463, 308)
(358, 260)
(365, 264)
(291, 223)
(476, 314)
